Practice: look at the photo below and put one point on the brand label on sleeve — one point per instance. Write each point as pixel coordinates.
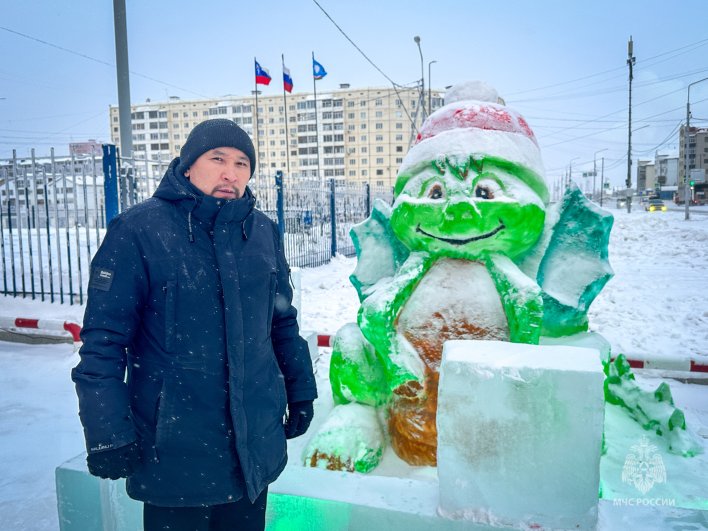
(101, 279)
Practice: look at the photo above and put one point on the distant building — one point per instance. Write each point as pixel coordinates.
(90, 147)
(697, 151)
(653, 175)
(666, 168)
(646, 176)
(354, 134)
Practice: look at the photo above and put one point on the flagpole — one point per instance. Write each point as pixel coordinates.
(285, 105)
(258, 149)
(317, 123)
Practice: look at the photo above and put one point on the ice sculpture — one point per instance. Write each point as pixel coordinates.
(470, 249)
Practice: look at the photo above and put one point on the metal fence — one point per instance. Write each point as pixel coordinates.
(53, 217)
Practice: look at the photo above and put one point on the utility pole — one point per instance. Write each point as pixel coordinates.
(686, 179)
(602, 180)
(630, 62)
(122, 71)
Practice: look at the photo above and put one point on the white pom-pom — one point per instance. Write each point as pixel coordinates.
(472, 90)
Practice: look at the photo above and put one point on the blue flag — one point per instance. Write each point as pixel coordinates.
(318, 70)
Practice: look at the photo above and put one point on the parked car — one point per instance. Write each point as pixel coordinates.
(655, 205)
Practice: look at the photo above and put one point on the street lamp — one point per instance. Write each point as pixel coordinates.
(594, 172)
(430, 89)
(422, 76)
(687, 193)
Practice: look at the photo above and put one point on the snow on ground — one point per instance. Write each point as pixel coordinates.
(655, 304)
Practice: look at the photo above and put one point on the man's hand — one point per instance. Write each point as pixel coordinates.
(115, 463)
(299, 418)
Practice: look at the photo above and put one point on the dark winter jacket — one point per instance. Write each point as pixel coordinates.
(191, 294)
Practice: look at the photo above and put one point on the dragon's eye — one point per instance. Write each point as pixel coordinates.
(483, 192)
(436, 191)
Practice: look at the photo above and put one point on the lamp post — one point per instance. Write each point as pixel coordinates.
(430, 89)
(594, 171)
(686, 187)
(422, 77)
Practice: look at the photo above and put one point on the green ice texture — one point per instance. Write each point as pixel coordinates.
(654, 411)
(547, 263)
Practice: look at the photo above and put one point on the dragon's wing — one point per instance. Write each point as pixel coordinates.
(379, 252)
(573, 267)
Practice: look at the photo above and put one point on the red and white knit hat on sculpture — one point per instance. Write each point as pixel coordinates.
(475, 122)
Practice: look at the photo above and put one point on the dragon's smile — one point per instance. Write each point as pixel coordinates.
(463, 241)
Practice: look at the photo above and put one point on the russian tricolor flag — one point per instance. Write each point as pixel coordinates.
(262, 75)
(287, 80)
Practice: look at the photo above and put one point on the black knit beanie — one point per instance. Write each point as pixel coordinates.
(211, 134)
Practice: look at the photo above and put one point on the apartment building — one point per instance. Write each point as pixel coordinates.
(354, 134)
(697, 152)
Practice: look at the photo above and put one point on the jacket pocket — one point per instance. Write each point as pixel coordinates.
(170, 313)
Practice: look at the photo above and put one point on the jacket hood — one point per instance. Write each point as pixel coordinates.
(177, 189)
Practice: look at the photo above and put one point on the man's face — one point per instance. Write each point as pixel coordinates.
(221, 172)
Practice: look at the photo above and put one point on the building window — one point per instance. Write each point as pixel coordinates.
(379, 172)
(379, 125)
(379, 160)
(379, 149)
(399, 125)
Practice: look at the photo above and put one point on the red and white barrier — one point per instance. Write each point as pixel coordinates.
(326, 340)
(659, 362)
(50, 325)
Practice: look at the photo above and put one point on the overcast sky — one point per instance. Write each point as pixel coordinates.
(561, 64)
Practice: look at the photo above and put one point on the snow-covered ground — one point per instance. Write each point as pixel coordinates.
(655, 305)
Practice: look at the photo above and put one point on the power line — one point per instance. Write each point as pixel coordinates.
(697, 44)
(99, 61)
(393, 83)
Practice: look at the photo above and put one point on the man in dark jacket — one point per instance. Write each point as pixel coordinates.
(190, 293)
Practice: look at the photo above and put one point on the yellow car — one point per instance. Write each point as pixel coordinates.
(655, 205)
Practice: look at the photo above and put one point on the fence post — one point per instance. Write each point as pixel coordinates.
(110, 181)
(280, 204)
(367, 189)
(333, 215)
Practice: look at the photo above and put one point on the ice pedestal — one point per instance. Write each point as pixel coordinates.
(520, 434)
